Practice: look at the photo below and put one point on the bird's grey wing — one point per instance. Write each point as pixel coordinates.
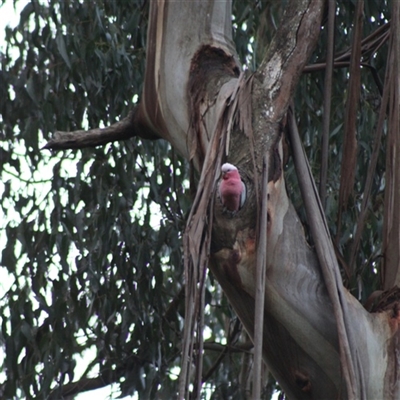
(243, 195)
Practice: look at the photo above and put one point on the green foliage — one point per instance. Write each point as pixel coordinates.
(91, 255)
(309, 106)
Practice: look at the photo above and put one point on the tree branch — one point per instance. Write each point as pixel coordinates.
(228, 348)
(327, 102)
(287, 54)
(83, 385)
(350, 142)
(128, 127)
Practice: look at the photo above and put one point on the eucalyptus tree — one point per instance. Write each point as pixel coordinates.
(110, 255)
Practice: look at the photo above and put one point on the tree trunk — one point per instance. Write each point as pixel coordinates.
(192, 71)
(318, 341)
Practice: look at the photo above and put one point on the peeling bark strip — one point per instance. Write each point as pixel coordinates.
(210, 68)
(347, 339)
(260, 281)
(197, 238)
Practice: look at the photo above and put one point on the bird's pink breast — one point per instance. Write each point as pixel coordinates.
(230, 190)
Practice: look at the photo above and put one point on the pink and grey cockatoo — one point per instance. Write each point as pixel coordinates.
(232, 190)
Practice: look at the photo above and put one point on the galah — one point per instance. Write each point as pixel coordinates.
(232, 190)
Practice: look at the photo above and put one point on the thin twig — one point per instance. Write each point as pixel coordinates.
(369, 43)
(225, 350)
(371, 169)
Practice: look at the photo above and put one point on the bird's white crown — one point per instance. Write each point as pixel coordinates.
(228, 167)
